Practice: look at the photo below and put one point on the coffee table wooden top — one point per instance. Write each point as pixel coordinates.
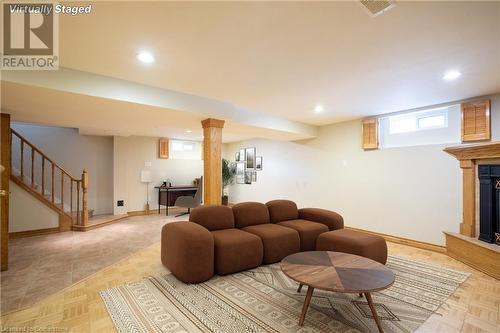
(336, 271)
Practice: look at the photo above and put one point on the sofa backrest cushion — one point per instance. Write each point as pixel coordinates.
(213, 217)
(250, 213)
(282, 210)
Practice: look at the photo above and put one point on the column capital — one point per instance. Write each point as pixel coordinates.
(466, 164)
(212, 122)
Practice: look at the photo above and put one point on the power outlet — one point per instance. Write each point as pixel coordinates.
(119, 203)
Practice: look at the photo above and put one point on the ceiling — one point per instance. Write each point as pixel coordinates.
(283, 58)
(102, 116)
(261, 66)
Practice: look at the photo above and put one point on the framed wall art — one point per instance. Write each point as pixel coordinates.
(258, 163)
(250, 158)
(248, 177)
(240, 173)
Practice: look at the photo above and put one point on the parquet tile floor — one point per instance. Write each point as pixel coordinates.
(474, 307)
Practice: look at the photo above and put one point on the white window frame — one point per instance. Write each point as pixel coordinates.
(416, 117)
(184, 149)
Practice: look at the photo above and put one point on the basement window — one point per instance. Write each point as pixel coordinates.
(182, 149)
(415, 121)
(416, 128)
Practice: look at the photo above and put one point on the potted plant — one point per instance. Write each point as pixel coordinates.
(227, 179)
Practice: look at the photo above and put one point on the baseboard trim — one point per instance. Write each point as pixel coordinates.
(30, 233)
(405, 241)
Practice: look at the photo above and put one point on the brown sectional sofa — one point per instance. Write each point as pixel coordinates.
(234, 249)
(222, 240)
(278, 241)
(286, 214)
(354, 242)
(187, 250)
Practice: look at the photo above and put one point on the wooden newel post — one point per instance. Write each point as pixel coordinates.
(85, 211)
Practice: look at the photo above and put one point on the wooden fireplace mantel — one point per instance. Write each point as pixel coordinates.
(468, 155)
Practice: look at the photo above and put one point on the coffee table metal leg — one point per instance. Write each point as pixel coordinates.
(300, 288)
(306, 304)
(374, 313)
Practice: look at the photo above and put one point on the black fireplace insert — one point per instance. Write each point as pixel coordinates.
(489, 203)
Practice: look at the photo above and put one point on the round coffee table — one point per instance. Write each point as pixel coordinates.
(337, 272)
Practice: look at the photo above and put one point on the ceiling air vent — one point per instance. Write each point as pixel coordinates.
(377, 7)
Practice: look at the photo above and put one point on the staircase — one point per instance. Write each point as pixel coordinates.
(39, 175)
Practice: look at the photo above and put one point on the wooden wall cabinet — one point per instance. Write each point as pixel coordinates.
(476, 121)
(370, 134)
(163, 148)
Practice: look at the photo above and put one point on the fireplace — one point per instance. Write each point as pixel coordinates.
(489, 203)
(480, 164)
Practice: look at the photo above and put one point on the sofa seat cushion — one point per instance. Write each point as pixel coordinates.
(354, 242)
(236, 250)
(278, 241)
(250, 213)
(282, 210)
(308, 232)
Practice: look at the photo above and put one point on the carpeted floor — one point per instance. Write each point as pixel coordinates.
(265, 300)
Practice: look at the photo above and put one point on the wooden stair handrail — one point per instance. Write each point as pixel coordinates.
(82, 215)
(23, 139)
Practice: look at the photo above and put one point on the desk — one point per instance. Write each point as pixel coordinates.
(168, 194)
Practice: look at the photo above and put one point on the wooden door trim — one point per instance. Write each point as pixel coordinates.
(5, 155)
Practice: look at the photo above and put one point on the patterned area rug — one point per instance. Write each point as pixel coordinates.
(265, 300)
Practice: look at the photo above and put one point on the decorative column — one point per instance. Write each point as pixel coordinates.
(468, 225)
(212, 162)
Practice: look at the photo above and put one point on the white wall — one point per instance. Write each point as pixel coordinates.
(130, 155)
(38, 216)
(412, 192)
(75, 152)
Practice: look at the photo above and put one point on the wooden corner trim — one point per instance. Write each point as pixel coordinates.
(212, 122)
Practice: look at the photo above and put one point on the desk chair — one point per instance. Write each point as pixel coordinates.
(189, 202)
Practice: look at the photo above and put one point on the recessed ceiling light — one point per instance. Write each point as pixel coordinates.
(188, 131)
(318, 108)
(145, 57)
(451, 75)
